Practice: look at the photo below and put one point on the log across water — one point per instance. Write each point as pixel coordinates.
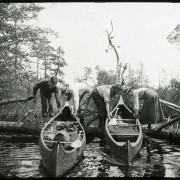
(22, 132)
(31, 133)
(13, 129)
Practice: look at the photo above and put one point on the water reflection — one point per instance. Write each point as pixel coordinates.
(157, 159)
(19, 160)
(155, 166)
(99, 162)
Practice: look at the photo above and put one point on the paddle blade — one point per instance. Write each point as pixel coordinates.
(113, 121)
(76, 144)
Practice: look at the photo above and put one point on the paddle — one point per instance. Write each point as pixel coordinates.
(113, 121)
(77, 143)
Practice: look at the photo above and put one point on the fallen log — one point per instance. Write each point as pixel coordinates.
(91, 132)
(164, 134)
(171, 105)
(18, 138)
(16, 100)
(175, 109)
(15, 129)
(176, 119)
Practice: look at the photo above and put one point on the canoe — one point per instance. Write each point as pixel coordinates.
(61, 143)
(123, 134)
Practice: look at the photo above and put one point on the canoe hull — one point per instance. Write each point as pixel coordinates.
(58, 161)
(124, 146)
(125, 150)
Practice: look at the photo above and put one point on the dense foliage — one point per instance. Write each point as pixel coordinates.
(27, 55)
(25, 50)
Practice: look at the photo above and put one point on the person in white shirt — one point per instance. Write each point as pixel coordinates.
(79, 95)
(151, 110)
(101, 96)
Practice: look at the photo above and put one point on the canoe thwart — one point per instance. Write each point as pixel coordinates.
(128, 125)
(59, 131)
(125, 119)
(125, 134)
(57, 141)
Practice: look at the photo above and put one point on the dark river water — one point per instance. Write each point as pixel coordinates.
(158, 158)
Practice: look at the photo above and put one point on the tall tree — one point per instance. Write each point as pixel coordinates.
(174, 36)
(17, 33)
(57, 58)
(19, 42)
(86, 77)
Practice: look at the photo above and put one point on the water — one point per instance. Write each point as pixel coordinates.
(158, 158)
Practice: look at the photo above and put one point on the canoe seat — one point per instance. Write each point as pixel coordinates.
(58, 131)
(128, 125)
(135, 134)
(125, 119)
(57, 141)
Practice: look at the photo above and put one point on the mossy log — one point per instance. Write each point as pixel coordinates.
(91, 132)
(16, 129)
(164, 131)
(20, 132)
(173, 121)
(173, 135)
(15, 100)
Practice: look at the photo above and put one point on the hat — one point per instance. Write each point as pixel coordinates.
(54, 79)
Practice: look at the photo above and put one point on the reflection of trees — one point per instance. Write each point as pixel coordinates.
(155, 165)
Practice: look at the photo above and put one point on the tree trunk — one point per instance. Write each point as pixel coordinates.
(91, 132)
(16, 46)
(45, 70)
(170, 105)
(170, 134)
(176, 119)
(15, 100)
(37, 68)
(15, 129)
(28, 89)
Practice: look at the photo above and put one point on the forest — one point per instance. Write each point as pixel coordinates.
(28, 55)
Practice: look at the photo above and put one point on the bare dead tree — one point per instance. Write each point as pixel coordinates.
(119, 75)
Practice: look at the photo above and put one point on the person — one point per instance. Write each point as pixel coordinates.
(47, 88)
(151, 110)
(101, 96)
(79, 94)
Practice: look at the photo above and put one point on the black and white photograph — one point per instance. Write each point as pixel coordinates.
(89, 89)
